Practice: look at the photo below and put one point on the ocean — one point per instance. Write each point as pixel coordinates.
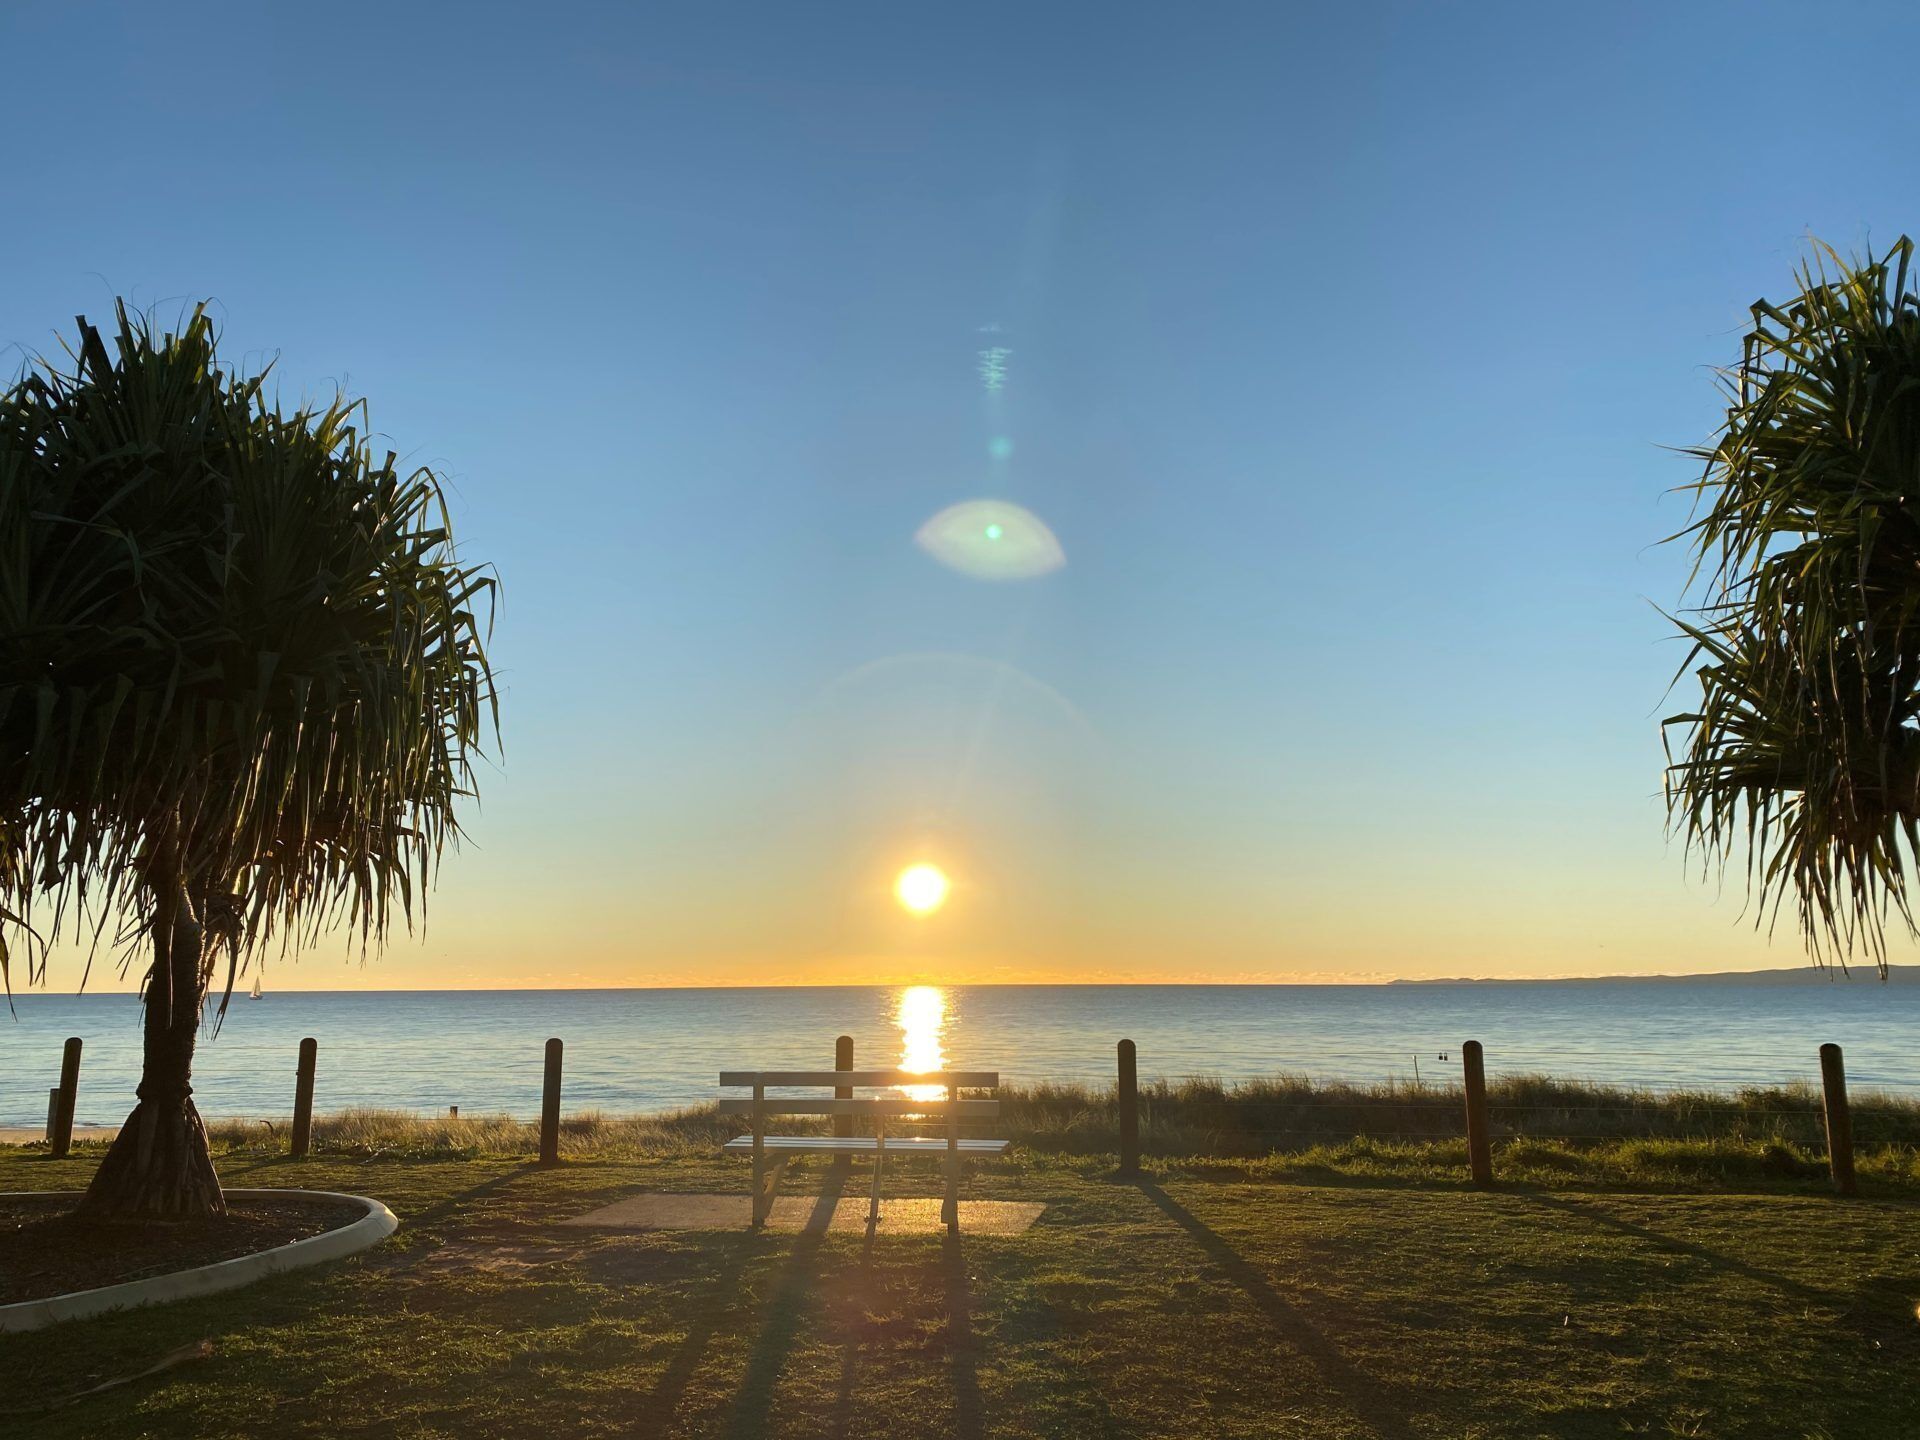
(649, 1050)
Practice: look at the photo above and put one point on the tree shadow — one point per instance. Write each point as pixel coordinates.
(797, 1284)
(1725, 1264)
(1363, 1394)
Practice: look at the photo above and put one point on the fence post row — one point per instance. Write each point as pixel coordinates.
(1129, 1095)
(61, 1101)
(303, 1098)
(60, 1130)
(1833, 1081)
(843, 1060)
(1479, 1149)
(550, 1107)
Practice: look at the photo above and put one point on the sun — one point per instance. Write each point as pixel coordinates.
(922, 888)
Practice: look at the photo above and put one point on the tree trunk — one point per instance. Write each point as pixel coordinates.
(159, 1168)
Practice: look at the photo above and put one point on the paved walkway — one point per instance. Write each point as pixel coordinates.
(807, 1212)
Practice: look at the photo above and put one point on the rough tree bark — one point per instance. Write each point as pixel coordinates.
(159, 1168)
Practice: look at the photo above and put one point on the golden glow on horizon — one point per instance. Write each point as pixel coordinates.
(1012, 916)
(922, 888)
(921, 1015)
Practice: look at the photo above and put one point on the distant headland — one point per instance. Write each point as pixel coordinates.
(1791, 975)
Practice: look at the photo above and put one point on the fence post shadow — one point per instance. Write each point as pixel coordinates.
(1363, 1394)
(1713, 1259)
(969, 1415)
(441, 1209)
(850, 1345)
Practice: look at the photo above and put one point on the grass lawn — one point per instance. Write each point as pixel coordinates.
(1210, 1300)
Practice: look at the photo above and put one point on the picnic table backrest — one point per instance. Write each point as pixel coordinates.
(951, 1081)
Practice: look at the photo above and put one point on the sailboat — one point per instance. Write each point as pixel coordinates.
(254, 994)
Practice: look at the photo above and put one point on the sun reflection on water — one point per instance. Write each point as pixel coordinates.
(922, 1018)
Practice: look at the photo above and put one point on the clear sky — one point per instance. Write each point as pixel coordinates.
(1340, 348)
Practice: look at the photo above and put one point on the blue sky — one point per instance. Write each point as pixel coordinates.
(1342, 352)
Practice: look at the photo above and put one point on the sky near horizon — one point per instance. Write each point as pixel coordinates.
(1338, 349)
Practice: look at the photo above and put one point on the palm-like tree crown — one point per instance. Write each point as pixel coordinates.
(238, 657)
(1804, 754)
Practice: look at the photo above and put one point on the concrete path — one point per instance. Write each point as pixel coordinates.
(798, 1212)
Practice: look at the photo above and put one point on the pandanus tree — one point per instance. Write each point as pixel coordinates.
(1801, 762)
(242, 689)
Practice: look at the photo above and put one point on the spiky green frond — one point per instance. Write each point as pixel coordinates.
(235, 645)
(1804, 752)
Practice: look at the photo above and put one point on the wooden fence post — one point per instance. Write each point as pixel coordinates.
(1833, 1079)
(843, 1060)
(1129, 1095)
(61, 1140)
(53, 1112)
(550, 1107)
(303, 1099)
(1479, 1150)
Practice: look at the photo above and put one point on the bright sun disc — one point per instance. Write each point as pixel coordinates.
(922, 888)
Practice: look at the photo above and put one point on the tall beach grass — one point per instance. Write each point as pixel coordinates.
(1288, 1124)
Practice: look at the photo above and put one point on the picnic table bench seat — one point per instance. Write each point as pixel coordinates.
(844, 1105)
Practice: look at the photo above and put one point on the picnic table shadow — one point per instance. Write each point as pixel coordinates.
(799, 1281)
(794, 1291)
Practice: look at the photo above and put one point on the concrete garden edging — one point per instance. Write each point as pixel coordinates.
(369, 1230)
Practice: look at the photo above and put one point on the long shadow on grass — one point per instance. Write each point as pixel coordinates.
(440, 1210)
(1361, 1392)
(798, 1283)
(1725, 1264)
(662, 1409)
(969, 1417)
(843, 1399)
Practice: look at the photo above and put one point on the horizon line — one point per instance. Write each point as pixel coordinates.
(1811, 972)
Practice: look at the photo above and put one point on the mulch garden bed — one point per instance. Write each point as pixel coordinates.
(45, 1251)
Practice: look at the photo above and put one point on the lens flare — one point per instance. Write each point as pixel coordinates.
(922, 1017)
(922, 888)
(991, 540)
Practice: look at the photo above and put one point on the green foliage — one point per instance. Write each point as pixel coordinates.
(237, 653)
(1284, 1126)
(1803, 755)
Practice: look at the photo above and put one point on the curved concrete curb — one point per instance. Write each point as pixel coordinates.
(369, 1230)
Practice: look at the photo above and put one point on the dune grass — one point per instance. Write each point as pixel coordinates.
(1548, 1132)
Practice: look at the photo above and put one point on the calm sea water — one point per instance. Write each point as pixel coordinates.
(639, 1050)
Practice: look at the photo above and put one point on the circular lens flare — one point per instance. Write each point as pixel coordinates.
(922, 888)
(991, 540)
